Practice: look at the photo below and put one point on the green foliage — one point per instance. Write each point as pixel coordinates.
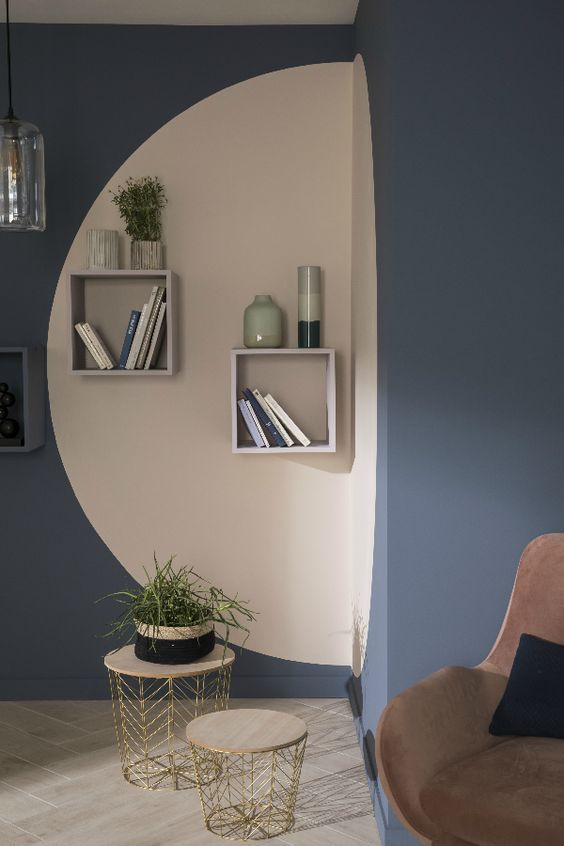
(140, 202)
(179, 598)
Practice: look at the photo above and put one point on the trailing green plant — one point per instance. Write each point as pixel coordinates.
(178, 598)
(140, 202)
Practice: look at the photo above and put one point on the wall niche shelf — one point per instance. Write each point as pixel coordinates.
(23, 368)
(105, 299)
(302, 381)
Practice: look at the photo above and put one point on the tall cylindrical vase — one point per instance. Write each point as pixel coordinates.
(103, 248)
(262, 323)
(309, 306)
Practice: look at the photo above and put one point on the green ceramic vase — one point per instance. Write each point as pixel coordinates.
(262, 323)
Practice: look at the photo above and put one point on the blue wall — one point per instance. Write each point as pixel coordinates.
(97, 93)
(468, 137)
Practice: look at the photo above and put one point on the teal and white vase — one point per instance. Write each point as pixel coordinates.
(262, 323)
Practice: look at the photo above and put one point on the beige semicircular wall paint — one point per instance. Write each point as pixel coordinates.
(363, 299)
(258, 179)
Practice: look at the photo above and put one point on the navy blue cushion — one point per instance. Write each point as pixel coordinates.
(533, 702)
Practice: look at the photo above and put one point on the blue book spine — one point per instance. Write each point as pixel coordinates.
(264, 419)
(250, 423)
(128, 340)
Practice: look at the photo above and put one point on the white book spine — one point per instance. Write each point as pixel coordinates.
(158, 333)
(139, 333)
(276, 422)
(148, 313)
(89, 346)
(287, 420)
(110, 363)
(257, 422)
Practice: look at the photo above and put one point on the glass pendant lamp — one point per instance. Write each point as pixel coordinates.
(22, 167)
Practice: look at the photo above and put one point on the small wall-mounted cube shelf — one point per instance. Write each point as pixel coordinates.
(23, 368)
(301, 380)
(105, 299)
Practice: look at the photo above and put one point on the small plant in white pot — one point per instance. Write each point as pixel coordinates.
(174, 615)
(140, 202)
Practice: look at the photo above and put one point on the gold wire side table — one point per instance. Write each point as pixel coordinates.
(247, 765)
(152, 705)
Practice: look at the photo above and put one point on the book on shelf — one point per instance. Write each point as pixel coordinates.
(273, 417)
(285, 418)
(264, 419)
(157, 338)
(92, 348)
(137, 339)
(257, 423)
(128, 340)
(153, 307)
(250, 423)
(100, 346)
(87, 343)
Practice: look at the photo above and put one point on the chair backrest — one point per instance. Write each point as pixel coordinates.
(536, 605)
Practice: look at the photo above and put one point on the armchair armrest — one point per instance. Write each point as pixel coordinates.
(425, 728)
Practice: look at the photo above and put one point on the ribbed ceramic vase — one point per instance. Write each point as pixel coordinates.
(103, 248)
(262, 323)
(146, 255)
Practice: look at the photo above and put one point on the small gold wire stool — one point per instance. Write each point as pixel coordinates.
(152, 705)
(247, 765)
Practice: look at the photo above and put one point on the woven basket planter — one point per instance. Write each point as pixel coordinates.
(174, 644)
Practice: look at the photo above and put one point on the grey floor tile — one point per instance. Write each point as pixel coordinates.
(16, 804)
(337, 762)
(62, 709)
(96, 722)
(91, 742)
(31, 777)
(325, 704)
(11, 835)
(45, 727)
(323, 836)
(79, 765)
(364, 828)
(33, 749)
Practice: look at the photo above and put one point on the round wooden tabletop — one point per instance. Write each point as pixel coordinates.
(124, 661)
(246, 730)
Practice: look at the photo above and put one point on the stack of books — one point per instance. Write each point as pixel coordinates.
(143, 337)
(267, 423)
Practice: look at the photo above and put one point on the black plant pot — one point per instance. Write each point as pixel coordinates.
(181, 651)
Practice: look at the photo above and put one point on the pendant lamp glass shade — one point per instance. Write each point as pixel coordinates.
(22, 176)
(22, 165)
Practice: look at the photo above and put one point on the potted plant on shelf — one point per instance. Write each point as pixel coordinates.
(173, 616)
(140, 202)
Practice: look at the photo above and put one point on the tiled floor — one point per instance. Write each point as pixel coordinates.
(61, 784)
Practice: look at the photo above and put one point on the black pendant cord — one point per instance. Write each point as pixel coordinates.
(10, 115)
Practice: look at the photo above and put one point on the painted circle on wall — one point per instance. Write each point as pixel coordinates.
(258, 182)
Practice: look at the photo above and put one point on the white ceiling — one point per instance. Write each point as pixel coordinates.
(185, 12)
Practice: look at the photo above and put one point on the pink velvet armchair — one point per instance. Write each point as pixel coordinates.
(449, 781)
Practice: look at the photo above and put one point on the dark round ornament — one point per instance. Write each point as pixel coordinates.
(9, 428)
(3, 387)
(3, 412)
(7, 399)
